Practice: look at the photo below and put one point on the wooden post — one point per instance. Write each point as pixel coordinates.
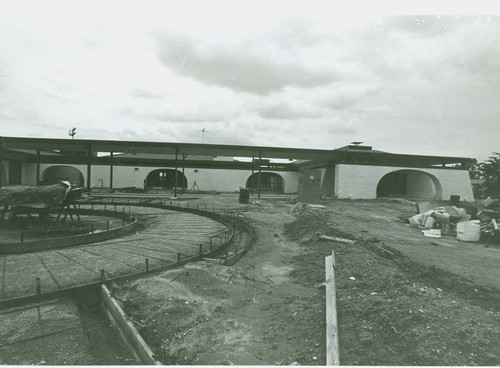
(201, 249)
(107, 225)
(332, 338)
(103, 277)
(178, 258)
(38, 286)
(147, 265)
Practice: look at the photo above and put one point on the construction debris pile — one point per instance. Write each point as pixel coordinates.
(468, 222)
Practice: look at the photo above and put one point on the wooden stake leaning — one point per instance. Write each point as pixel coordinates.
(332, 337)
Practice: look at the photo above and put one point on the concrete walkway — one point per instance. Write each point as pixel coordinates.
(167, 233)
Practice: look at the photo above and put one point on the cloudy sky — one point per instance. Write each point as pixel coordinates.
(304, 75)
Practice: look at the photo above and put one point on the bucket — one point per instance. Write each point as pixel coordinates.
(244, 196)
(468, 231)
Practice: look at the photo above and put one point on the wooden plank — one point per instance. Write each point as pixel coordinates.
(334, 238)
(332, 338)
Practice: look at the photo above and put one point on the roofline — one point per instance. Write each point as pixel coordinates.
(87, 146)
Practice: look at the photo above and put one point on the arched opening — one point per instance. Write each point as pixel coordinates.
(55, 174)
(165, 179)
(409, 184)
(270, 182)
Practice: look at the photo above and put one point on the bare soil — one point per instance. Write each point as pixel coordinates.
(402, 299)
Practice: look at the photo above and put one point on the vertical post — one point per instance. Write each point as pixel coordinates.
(103, 277)
(178, 258)
(147, 265)
(89, 166)
(332, 339)
(175, 176)
(201, 249)
(1, 163)
(38, 286)
(37, 167)
(252, 178)
(183, 158)
(111, 170)
(260, 171)
(107, 224)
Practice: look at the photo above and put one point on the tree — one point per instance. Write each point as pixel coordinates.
(490, 171)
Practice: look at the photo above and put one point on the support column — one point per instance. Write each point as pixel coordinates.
(260, 171)
(1, 163)
(37, 167)
(252, 177)
(183, 159)
(111, 171)
(89, 166)
(176, 166)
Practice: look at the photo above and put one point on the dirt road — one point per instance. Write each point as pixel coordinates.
(402, 299)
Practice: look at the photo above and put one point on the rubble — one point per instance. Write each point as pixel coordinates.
(468, 222)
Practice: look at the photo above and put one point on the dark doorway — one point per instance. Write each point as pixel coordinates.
(165, 179)
(270, 182)
(392, 184)
(409, 184)
(55, 174)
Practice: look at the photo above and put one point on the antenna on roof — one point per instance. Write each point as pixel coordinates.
(203, 131)
(72, 133)
(356, 143)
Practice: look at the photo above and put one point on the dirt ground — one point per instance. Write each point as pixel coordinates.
(403, 299)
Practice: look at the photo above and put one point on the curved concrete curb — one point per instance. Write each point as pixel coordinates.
(70, 241)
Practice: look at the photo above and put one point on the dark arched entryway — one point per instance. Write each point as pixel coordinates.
(165, 179)
(55, 174)
(270, 182)
(409, 184)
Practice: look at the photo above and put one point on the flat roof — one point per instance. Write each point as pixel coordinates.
(84, 151)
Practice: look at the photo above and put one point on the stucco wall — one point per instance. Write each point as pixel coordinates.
(360, 181)
(206, 179)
